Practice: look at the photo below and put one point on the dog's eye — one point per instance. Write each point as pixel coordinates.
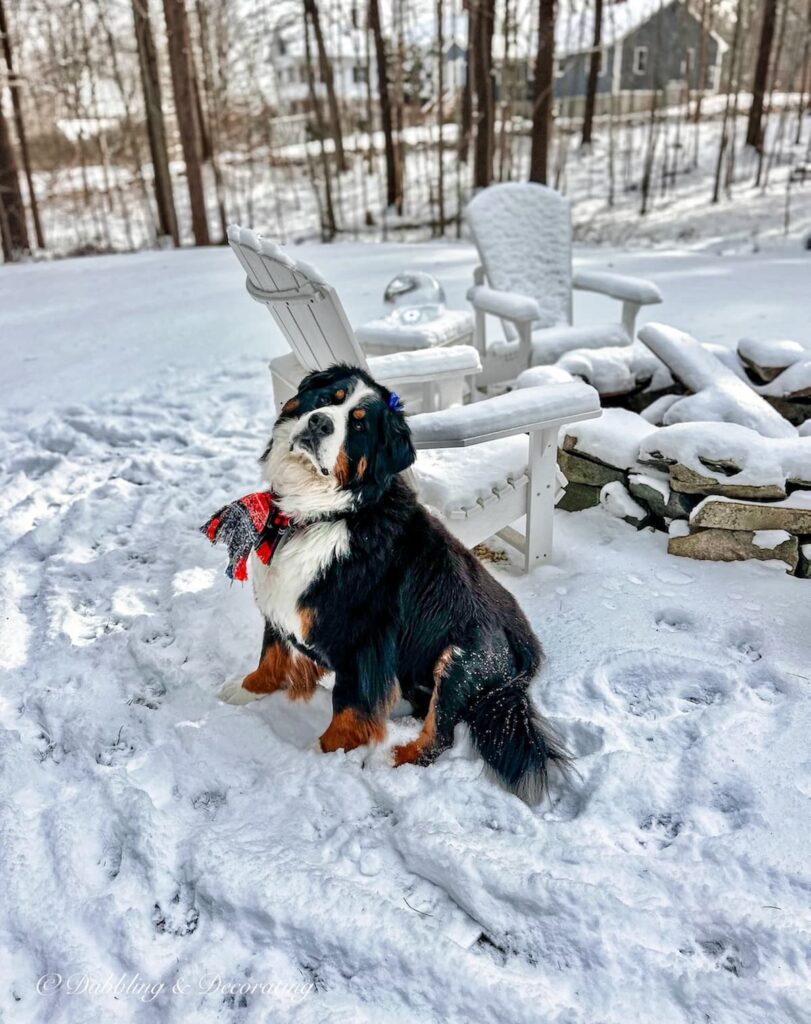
(359, 425)
(321, 401)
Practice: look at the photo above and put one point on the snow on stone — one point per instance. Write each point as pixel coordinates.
(758, 460)
(718, 394)
(659, 484)
(616, 500)
(769, 539)
(771, 354)
(550, 343)
(617, 370)
(614, 439)
(678, 528)
(794, 380)
(656, 411)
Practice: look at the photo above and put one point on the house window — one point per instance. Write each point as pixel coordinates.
(560, 67)
(688, 64)
(601, 71)
(640, 60)
(358, 74)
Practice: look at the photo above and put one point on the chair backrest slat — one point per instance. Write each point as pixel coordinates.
(307, 311)
(524, 236)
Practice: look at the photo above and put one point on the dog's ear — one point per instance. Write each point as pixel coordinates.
(398, 448)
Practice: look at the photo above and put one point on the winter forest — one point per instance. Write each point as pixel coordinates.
(126, 124)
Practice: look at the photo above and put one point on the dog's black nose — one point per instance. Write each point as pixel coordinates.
(320, 425)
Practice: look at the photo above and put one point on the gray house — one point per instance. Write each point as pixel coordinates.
(647, 45)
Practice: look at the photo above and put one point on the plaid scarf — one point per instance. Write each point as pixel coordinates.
(251, 523)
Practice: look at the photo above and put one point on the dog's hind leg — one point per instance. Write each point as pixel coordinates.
(437, 729)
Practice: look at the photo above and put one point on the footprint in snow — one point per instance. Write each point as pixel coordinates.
(674, 620)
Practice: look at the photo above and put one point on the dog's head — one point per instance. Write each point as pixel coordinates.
(337, 444)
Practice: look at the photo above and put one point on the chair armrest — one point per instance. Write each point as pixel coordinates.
(507, 305)
(517, 412)
(618, 286)
(425, 365)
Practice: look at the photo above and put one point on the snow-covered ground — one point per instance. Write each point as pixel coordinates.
(150, 835)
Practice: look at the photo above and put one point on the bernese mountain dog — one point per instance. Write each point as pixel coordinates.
(367, 584)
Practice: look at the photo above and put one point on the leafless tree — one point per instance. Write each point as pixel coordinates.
(311, 11)
(483, 144)
(544, 83)
(594, 71)
(754, 130)
(393, 188)
(155, 126)
(13, 228)
(15, 87)
(187, 111)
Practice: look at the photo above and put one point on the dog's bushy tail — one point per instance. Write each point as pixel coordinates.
(513, 739)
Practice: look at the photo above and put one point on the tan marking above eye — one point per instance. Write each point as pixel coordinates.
(358, 414)
(340, 395)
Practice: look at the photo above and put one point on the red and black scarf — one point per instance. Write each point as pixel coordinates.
(252, 523)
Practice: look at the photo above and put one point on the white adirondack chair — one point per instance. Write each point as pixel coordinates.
(512, 474)
(523, 234)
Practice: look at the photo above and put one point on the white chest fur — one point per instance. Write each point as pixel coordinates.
(294, 567)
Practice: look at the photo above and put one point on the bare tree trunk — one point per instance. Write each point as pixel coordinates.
(594, 71)
(12, 211)
(393, 190)
(754, 131)
(325, 73)
(653, 138)
(188, 121)
(483, 145)
(440, 111)
(19, 123)
(806, 66)
(716, 193)
(778, 53)
(466, 119)
(156, 129)
(213, 115)
(544, 79)
(328, 225)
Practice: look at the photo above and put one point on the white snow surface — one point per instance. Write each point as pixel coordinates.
(149, 832)
(614, 438)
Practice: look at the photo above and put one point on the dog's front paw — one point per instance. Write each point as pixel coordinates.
(235, 693)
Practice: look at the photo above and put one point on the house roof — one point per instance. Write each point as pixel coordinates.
(574, 27)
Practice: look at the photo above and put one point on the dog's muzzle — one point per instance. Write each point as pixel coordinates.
(318, 427)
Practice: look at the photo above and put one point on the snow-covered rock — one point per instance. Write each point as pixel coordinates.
(718, 394)
(614, 439)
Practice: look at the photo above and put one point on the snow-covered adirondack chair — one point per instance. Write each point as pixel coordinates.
(523, 234)
(512, 474)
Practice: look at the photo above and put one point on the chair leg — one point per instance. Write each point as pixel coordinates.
(629, 312)
(543, 452)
